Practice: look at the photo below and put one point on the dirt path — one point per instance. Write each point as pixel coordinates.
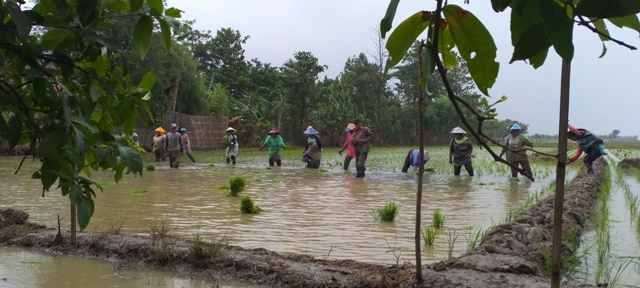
(504, 259)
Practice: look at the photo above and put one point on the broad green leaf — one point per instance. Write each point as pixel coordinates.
(608, 9)
(99, 66)
(80, 138)
(86, 11)
(142, 36)
(604, 50)
(524, 14)
(475, 45)
(131, 159)
(135, 5)
(75, 195)
(22, 21)
(387, 22)
(51, 144)
(166, 31)
(52, 38)
(147, 81)
(95, 92)
(155, 6)
(559, 28)
(173, 12)
(630, 21)
(119, 172)
(404, 36)
(537, 60)
(14, 131)
(111, 43)
(500, 5)
(48, 173)
(119, 5)
(429, 65)
(173, 22)
(602, 28)
(532, 42)
(445, 44)
(85, 211)
(147, 96)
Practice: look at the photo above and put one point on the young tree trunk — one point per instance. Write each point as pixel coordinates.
(174, 93)
(556, 256)
(73, 224)
(420, 169)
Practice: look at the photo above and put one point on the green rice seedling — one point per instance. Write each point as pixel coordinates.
(236, 185)
(387, 213)
(546, 259)
(474, 239)
(247, 206)
(150, 167)
(438, 218)
(203, 247)
(451, 242)
(140, 191)
(429, 235)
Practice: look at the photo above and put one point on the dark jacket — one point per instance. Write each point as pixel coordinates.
(588, 141)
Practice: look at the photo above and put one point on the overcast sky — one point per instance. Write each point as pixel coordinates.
(604, 91)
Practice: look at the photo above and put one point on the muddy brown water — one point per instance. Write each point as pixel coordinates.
(322, 214)
(21, 267)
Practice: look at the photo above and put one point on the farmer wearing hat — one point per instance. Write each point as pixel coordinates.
(184, 138)
(230, 141)
(275, 143)
(313, 150)
(173, 146)
(413, 160)
(590, 144)
(515, 149)
(350, 152)
(460, 150)
(361, 138)
(158, 144)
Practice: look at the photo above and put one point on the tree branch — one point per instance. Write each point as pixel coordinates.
(585, 23)
(454, 99)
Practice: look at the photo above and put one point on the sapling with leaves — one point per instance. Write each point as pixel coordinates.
(536, 26)
(64, 91)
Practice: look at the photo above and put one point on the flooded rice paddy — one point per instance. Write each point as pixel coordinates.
(325, 213)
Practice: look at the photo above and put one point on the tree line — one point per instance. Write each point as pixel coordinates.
(206, 73)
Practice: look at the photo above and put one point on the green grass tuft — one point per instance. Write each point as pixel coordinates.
(438, 218)
(236, 185)
(150, 167)
(247, 206)
(387, 213)
(140, 191)
(429, 236)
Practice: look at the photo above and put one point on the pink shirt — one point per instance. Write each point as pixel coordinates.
(350, 152)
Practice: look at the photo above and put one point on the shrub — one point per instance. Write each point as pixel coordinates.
(236, 185)
(247, 206)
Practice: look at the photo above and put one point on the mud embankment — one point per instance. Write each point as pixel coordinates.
(510, 256)
(630, 162)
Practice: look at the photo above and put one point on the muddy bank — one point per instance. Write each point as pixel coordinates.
(630, 162)
(504, 259)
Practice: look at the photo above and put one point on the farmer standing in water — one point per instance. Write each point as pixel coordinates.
(362, 138)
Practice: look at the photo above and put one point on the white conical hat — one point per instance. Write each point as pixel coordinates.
(458, 130)
(230, 129)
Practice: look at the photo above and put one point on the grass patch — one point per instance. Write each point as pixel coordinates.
(248, 207)
(429, 235)
(387, 213)
(438, 218)
(150, 167)
(203, 247)
(236, 185)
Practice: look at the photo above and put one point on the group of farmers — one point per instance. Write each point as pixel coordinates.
(357, 143)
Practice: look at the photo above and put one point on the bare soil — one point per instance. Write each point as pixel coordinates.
(510, 256)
